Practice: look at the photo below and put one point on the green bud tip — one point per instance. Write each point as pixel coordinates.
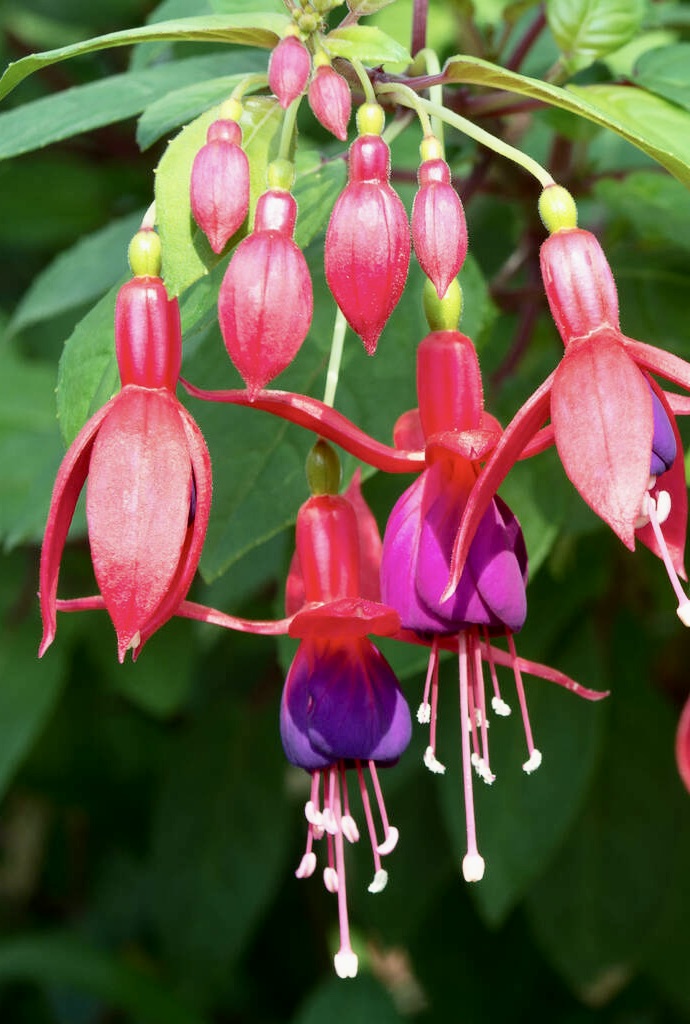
(430, 149)
(281, 174)
(443, 313)
(370, 119)
(323, 469)
(557, 209)
(321, 60)
(231, 110)
(144, 254)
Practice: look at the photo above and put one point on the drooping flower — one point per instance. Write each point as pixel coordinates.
(288, 70)
(219, 188)
(489, 598)
(439, 228)
(330, 99)
(367, 248)
(265, 302)
(342, 708)
(147, 473)
(609, 417)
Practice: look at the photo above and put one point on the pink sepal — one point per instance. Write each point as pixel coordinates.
(370, 543)
(346, 617)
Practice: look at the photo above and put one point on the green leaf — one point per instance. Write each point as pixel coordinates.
(187, 253)
(78, 275)
(29, 688)
(87, 374)
(262, 30)
(362, 999)
(597, 908)
(658, 128)
(666, 72)
(58, 958)
(182, 105)
(522, 819)
(366, 43)
(220, 833)
(655, 207)
(316, 189)
(587, 29)
(363, 7)
(86, 107)
(30, 447)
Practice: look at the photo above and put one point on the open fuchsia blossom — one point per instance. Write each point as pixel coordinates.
(342, 707)
(147, 473)
(612, 424)
(367, 248)
(265, 302)
(219, 190)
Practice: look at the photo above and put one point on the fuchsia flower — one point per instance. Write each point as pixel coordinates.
(439, 229)
(330, 100)
(288, 70)
(342, 707)
(612, 424)
(417, 548)
(219, 190)
(265, 302)
(367, 248)
(148, 480)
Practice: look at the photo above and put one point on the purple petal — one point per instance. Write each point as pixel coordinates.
(294, 731)
(356, 708)
(663, 441)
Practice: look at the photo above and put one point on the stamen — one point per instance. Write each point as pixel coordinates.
(307, 865)
(432, 763)
(390, 842)
(534, 759)
(313, 815)
(345, 960)
(330, 879)
(347, 822)
(330, 819)
(683, 609)
(390, 832)
(497, 703)
(369, 817)
(485, 772)
(473, 863)
(345, 963)
(424, 713)
(380, 881)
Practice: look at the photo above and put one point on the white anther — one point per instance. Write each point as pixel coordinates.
(134, 642)
(380, 881)
(306, 866)
(473, 867)
(533, 762)
(345, 963)
(313, 814)
(390, 842)
(663, 506)
(479, 719)
(424, 713)
(482, 769)
(432, 763)
(349, 828)
(651, 482)
(683, 612)
(500, 707)
(330, 879)
(329, 822)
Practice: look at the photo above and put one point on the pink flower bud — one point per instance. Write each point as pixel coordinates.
(288, 70)
(579, 284)
(265, 302)
(439, 229)
(148, 339)
(367, 251)
(220, 184)
(330, 101)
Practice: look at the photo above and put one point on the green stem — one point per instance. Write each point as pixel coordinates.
(288, 130)
(333, 372)
(360, 70)
(250, 83)
(409, 99)
(433, 67)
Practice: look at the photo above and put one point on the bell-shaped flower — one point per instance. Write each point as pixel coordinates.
(417, 549)
(330, 100)
(367, 248)
(219, 190)
(265, 302)
(608, 414)
(439, 228)
(342, 707)
(288, 70)
(148, 479)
